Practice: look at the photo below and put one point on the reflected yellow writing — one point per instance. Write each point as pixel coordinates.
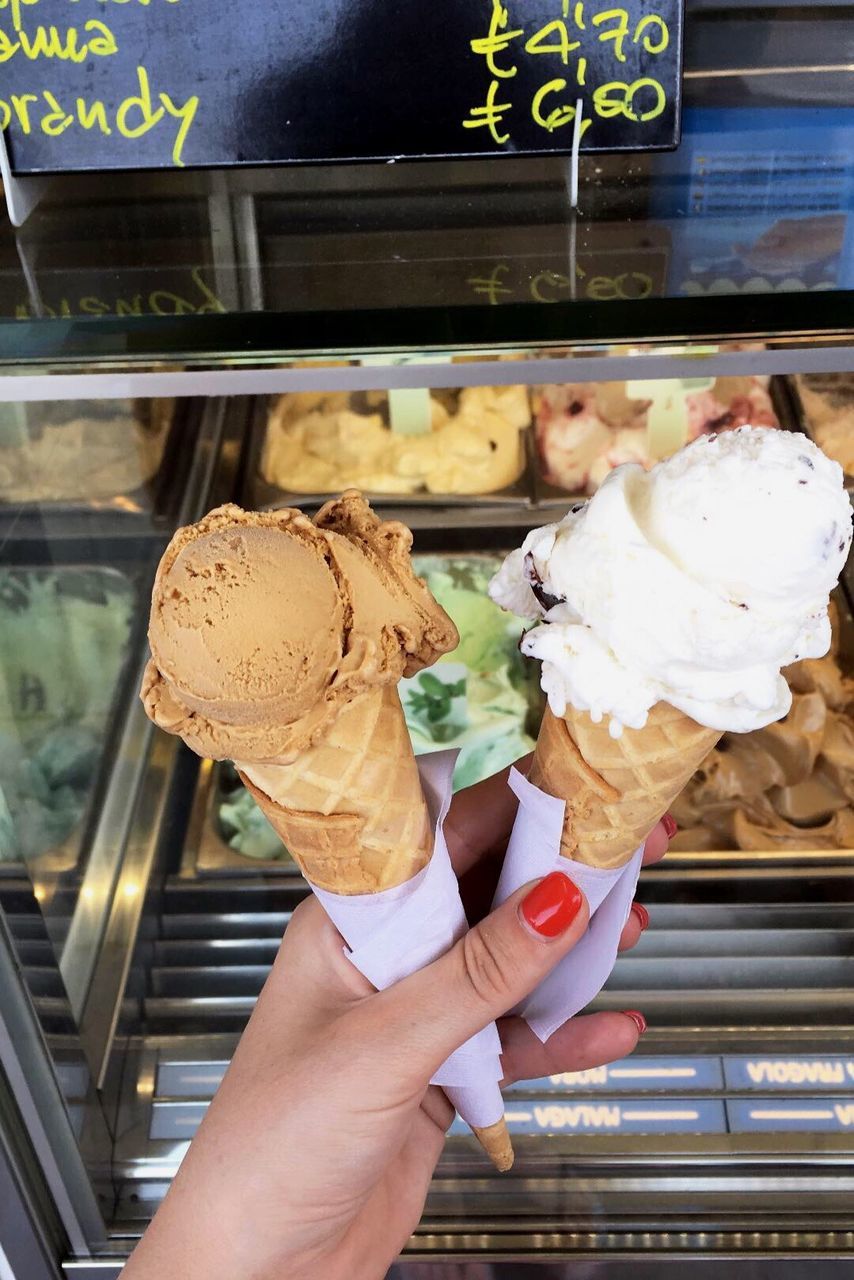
(555, 286)
(199, 299)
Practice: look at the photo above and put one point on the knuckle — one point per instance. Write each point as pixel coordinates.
(488, 966)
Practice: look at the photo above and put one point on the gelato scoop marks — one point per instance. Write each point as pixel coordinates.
(278, 641)
(666, 607)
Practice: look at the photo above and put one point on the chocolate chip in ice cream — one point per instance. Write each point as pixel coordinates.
(544, 598)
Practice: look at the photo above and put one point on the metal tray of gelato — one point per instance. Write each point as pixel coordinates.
(583, 430)
(783, 794)
(66, 634)
(823, 407)
(483, 700)
(122, 456)
(465, 447)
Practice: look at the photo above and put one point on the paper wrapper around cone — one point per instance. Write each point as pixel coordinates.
(351, 812)
(615, 789)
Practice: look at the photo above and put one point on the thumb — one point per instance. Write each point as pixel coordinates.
(493, 966)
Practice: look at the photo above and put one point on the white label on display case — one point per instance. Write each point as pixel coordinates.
(779, 1115)
(664, 1074)
(628, 1115)
(789, 1072)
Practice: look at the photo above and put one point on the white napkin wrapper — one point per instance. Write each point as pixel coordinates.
(534, 852)
(394, 933)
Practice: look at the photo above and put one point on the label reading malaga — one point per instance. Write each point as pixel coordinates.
(161, 83)
(628, 1115)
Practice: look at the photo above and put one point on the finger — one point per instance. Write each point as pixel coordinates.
(635, 926)
(481, 818)
(579, 1044)
(487, 972)
(658, 841)
(312, 968)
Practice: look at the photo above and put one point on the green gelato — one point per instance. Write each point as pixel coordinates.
(245, 827)
(480, 698)
(63, 639)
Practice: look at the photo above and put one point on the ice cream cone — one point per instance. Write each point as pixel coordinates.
(615, 789)
(350, 809)
(351, 812)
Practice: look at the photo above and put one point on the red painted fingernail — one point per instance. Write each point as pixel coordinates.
(637, 1018)
(671, 826)
(552, 905)
(639, 910)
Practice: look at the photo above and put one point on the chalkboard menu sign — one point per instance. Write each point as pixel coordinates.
(110, 84)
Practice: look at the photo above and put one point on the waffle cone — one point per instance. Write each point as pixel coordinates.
(350, 809)
(616, 789)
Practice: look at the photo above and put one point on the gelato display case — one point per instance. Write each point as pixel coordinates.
(475, 355)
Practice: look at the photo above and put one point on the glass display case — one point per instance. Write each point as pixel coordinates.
(457, 341)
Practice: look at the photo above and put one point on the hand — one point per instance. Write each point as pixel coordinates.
(315, 1157)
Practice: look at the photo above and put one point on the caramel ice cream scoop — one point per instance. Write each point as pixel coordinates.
(263, 625)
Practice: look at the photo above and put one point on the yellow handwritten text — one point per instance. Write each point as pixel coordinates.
(497, 41)
(48, 42)
(559, 116)
(197, 299)
(563, 46)
(618, 34)
(134, 117)
(617, 99)
(490, 115)
(570, 39)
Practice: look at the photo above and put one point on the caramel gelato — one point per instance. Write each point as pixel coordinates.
(828, 404)
(263, 626)
(788, 786)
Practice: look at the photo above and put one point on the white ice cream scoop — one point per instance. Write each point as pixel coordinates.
(693, 584)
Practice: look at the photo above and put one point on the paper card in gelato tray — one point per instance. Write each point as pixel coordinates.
(394, 933)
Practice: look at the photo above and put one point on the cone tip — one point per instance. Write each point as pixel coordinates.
(495, 1140)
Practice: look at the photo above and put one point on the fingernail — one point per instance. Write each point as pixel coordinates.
(639, 910)
(552, 905)
(637, 1018)
(670, 825)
